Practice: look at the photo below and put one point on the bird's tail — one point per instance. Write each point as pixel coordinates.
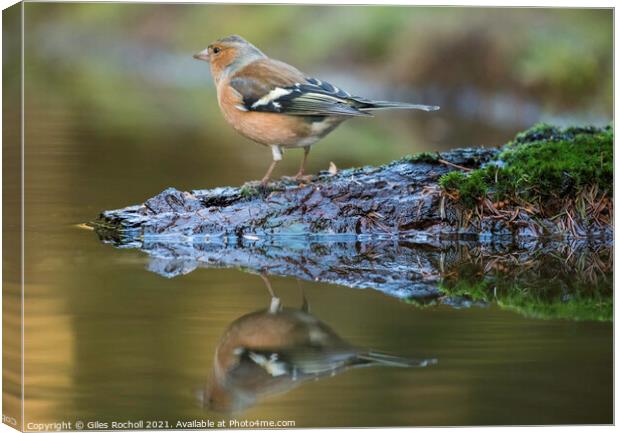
(386, 105)
(385, 359)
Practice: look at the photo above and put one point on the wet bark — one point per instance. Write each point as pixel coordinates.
(398, 200)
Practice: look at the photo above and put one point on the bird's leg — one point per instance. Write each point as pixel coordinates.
(275, 301)
(305, 306)
(277, 156)
(267, 284)
(302, 167)
(268, 174)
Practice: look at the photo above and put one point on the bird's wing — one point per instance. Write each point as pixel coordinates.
(257, 79)
(274, 87)
(303, 360)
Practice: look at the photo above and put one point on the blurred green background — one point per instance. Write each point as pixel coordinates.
(124, 75)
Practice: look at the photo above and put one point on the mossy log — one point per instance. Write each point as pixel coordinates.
(402, 198)
(461, 194)
(408, 229)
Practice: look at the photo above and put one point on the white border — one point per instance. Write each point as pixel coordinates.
(480, 3)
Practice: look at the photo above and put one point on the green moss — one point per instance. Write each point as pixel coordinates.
(577, 308)
(550, 289)
(534, 297)
(247, 191)
(558, 163)
(470, 187)
(452, 181)
(421, 302)
(425, 157)
(474, 188)
(541, 163)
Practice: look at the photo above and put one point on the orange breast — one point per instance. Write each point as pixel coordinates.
(264, 128)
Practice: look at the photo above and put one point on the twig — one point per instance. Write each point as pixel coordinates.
(443, 161)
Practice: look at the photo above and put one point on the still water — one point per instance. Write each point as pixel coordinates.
(107, 340)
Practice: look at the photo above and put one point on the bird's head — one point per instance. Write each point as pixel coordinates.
(229, 54)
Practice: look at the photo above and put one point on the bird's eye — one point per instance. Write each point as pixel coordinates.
(216, 50)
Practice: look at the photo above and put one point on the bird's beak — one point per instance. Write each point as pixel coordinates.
(203, 55)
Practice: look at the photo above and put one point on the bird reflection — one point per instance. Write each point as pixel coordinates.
(273, 351)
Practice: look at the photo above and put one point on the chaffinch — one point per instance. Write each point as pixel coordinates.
(275, 104)
(272, 351)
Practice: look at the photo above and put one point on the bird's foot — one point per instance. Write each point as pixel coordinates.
(291, 180)
(303, 178)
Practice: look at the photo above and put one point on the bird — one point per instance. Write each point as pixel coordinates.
(275, 104)
(274, 350)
